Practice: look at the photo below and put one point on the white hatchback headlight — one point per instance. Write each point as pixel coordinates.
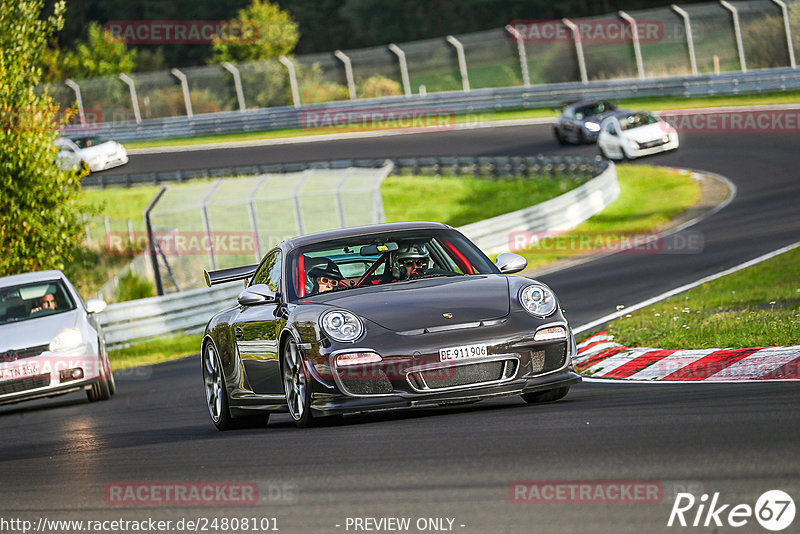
(592, 126)
(537, 300)
(341, 325)
(67, 339)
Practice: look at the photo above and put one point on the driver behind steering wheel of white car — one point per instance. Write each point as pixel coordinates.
(413, 261)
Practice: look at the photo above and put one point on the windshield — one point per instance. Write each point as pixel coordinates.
(636, 120)
(386, 258)
(598, 108)
(29, 301)
(86, 142)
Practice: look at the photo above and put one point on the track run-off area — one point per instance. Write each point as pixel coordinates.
(62, 458)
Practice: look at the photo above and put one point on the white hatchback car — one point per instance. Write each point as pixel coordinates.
(89, 153)
(50, 340)
(633, 134)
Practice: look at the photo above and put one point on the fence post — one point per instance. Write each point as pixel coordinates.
(401, 58)
(348, 72)
(737, 31)
(787, 29)
(254, 215)
(462, 62)
(207, 222)
(687, 26)
(523, 57)
(292, 79)
(185, 86)
(151, 239)
(237, 83)
(576, 37)
(637, 49)
(77, 89)
(127, 80)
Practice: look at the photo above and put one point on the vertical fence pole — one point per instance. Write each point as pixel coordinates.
(237, 83)
(687, 26)
(523, 57)
(77, 90)
(576, 37)
(127, 80)
(207, 222)
(348, 72)
(151, 242)
(787, 29)
(339, 202)
(251, 206)
(401, 58)
(737, 32)
(292, 79)
(637, 49)
(185, 86)
(462, 62)
(298, 212)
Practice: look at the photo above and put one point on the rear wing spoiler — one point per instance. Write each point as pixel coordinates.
(229, 275)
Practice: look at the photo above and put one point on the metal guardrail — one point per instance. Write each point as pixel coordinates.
(457, 103)
(165, 315)
(190, 310)
(484, 166)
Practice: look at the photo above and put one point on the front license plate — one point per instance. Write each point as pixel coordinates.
(463, 352)
(21, 371)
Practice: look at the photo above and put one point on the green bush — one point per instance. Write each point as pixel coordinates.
(133, 286)
(40, 218)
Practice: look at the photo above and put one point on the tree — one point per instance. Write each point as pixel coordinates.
(39, 216)
(100, 55)
(269, 32)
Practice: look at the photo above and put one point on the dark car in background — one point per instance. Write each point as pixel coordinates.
(417, 316)
(579, 122)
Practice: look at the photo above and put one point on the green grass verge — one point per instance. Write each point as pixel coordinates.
(650, 197)
(154, 351)
(758, 306)
(654, 104)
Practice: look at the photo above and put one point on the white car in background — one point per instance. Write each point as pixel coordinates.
(50, 340)
(633, 134)
(89, 153)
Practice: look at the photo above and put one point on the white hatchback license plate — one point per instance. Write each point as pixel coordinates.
(20, 371)
(463, 352)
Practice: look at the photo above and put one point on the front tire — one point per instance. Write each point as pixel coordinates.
(550, 395)
(99, 390)
(296, 385)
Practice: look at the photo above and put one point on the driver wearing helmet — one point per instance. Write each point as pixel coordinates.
(413, 261)
(325, 277)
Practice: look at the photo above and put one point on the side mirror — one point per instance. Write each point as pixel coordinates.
(510, 263)
(95, 305)
(257, 294)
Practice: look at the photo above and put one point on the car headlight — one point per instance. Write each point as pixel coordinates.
(537, 300)
(341, 325)
(592, 126)
(67, 339)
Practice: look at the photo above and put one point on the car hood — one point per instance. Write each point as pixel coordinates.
(426, 303)
(648, 133)
(36, 331)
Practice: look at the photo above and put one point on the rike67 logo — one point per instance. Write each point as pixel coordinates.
(774, 510)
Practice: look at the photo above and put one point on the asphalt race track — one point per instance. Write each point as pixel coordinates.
(58, 456)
